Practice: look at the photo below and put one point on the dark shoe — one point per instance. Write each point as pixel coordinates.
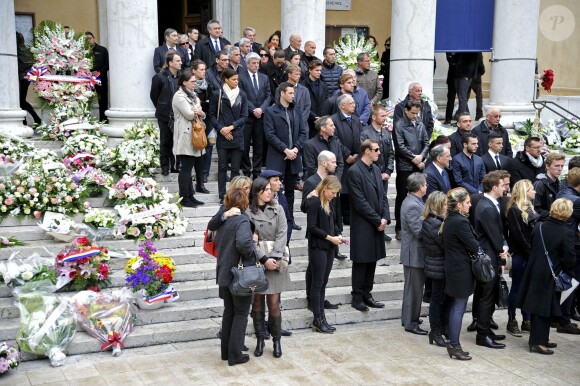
(569, 329)
(458, 353)
(473, 326)
(539, 350)
(426, 299)
(373, 303)
(465, 352)
(435, 335)
(284, 332)
(487, 341)
(513, 328)
(244, 359)
(196, 201)
(165, 171)
(576, 316)
(221, 201)
(526, 326)
(319, 326)
(259, 330)
(275, 327)
(550, 345)
(359, 306)
(388, 238)
(298, 186)
(296, 227)
(497, 336)
(329, 306)
(200, 188)
(330, 326)
(492, 324)
(398, 235)
(187, 203)
(341, 256)
(417, 331)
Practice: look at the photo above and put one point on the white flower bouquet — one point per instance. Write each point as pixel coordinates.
(17, 271)
(572, 144)
(149, 221)
(133, 190)
(347, 49)
(101, 218)
(82, 142)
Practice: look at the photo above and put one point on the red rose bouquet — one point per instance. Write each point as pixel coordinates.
(82, 265)
(547, 80)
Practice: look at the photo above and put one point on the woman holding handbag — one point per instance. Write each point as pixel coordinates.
(552, 243)
(323, 243)
(521, 219)
(460, 243)
(270, 226)
(187, 111)
(228, 110)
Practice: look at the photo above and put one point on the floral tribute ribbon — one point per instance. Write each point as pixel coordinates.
(42, 74)
(114, 339)
(163, 296)
(81, 255)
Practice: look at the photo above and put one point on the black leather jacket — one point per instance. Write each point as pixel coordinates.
(409, 141)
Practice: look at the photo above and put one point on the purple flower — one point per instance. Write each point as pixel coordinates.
(4, 366)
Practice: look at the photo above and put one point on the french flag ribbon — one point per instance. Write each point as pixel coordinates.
(34, 73)
(81, 255)
(165, 295)
(38, 74)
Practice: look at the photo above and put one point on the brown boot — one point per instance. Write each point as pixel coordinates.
(512, 328)
(526, 326)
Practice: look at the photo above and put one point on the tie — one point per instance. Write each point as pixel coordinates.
(217, 47)
(445, 179)
(349, 120)
(255, 81)
(498, 164)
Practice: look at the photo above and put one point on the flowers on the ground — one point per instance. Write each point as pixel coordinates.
(83, 264)
(149, 221)
(10, 241)
(572, 143)
(9, 357)
(101, 218)
(150, 271)
(84, 143)
(17, 271)
(136, 190)
(348, 47)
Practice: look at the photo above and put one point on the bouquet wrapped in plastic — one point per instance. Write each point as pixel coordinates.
(106, 316)
(18, 271)
(46, 322)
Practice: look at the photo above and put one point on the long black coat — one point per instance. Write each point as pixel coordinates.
(229, 115)
(459, 243)
(316, 101)
(349, 135)
(537, 293)
(277, 136)
(368, 205)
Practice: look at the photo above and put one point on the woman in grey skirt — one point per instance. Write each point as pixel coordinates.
(270, 224)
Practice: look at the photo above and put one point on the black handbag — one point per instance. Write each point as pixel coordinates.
(563, 281)
(247, 280)
(481, 267)
(502, 294)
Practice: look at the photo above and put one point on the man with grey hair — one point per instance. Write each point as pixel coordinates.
(491, 125)
(257, 88)
(425, 114)
(208, 47)
(437, 171)
(368, 79)
(171, 40)
(295, 44)
(412, 253)
(250, 34)
(245, 48)
(324, 141)
(235, 58)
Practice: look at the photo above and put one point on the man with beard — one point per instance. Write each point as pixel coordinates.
(468, 168)
(463, 127)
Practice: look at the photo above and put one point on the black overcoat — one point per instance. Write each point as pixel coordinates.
(229, 115)
(277, 136)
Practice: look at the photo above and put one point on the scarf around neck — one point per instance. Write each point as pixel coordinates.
(536, 162)
(231, 94)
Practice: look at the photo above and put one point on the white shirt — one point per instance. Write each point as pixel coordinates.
(252, 78)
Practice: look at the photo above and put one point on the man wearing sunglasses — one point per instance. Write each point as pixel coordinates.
(171, 44)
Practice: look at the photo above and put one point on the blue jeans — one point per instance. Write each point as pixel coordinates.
(517, 273)
(458, 306)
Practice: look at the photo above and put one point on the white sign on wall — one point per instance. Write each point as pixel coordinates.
(338, 5)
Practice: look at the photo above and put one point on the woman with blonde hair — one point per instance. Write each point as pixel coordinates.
(433, 216)
(323, 243)
(521, 219)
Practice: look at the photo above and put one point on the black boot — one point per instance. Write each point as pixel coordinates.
(275, 323)
(318, 325)
(328, 325)
(200, 188)
(435, 335)
(195, 200)
(259, 329)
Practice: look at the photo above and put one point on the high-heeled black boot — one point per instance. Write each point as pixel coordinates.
(258, 317)
(318, 325)
(435, 335)
(328, 325)
(275, 324)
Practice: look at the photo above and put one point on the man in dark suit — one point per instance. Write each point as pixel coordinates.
(436, 171)
(463, 126)
(100, 64)
(348, 130)
(493, 159)
(245, 48)
(257, 88)
(369, 218)
(207, 48)
(171, 39)
(301, 93)
(468, 169)
(489, 125)
(489, 229)
(285, 132)
(250, 34)
(325, 140)
(295, 44)
(425, 115)
(465, 70)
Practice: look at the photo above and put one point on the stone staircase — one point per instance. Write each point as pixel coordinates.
(197, 314)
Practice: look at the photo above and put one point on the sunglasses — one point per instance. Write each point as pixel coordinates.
(376, 150)
(263, 55)
(184, 44)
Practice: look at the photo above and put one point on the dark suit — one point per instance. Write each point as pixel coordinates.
(483, 131)
(312, 149)
(490, 163)
(318, 94)
(254, 129)
(205, 50)
(435, 181)
(159, 57)
(456, 145)
(468, 173)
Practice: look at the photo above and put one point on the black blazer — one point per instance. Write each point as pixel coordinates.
(319, 224)
(490, 164)
(277, 135)
(349, 136)
(435, 180)
(489, 229)
(456, 145)
(229, 115)
(204, 50)
(261, 98)
(159, 57)
(316, 101)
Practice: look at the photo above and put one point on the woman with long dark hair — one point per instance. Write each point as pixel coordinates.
(270, 225)
(186, 105)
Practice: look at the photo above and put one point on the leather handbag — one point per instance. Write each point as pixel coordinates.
(502, 294)
(563, 281)
(198, 137)
(209, 245)
(481, 267)
(281, 262)
(247, 280)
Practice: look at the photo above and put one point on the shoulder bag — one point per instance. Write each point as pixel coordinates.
(281, 262)
(481, 267)
(563, 281)
(209, 245)
(502, 294)
(198, 137)
(247, 280)
(213, 134)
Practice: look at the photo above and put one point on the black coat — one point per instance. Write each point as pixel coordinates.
(205, 51)
(490, 164)
(386, 161)
(319, 224)
(537, 293)
(275, 75)
(101, 62)
(276, 131)
(229, 115)
(163, 87)
(368, 206)
(261, 98)
(309, 185)
(349, 135)
(434, 247)
(316, 101)
(521, 168)
(426, 115)
(214, 78)
(546, 192)
(520, 232)
(456, 145)
(312, 149)
(459, 243)
(159, 57)
(489, 229)
(482, 131)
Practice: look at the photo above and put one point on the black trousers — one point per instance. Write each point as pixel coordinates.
(103, 95)
(540, 333)
(320, 261)
(227, 157)
(437, 307)
(289, 180)
(184, 181)
(485, 297)
(234, 322)
(363, 278)
(24, 105)
(166, 157)
(451, 93)
(462, 87)
(401, 186)
(345, 208)
(254, 136)
(476, 87)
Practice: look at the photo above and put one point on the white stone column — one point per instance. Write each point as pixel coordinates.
(412, 46)
(515, 42)
(11, 116)
(132, 38)
(227, 12)
(103, 26)
(306, 18)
